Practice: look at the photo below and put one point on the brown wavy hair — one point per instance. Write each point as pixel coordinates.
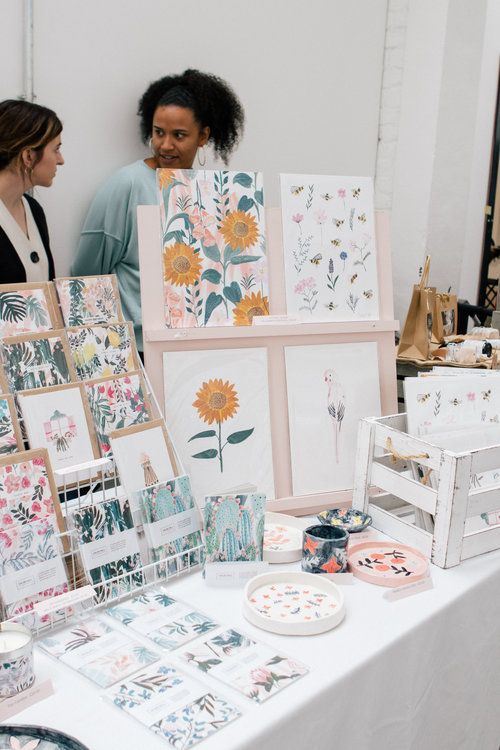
(25, 125)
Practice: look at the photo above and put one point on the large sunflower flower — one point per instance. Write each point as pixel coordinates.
(216, 401)
(165, 177)
(181, 265)
(239, 230)
(251, 305)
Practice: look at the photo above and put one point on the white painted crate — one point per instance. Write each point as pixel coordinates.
(380, 442)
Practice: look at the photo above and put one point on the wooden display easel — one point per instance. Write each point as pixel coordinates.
(274, 337)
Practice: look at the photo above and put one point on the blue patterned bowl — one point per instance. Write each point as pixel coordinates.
(348, 519)
(48, 739)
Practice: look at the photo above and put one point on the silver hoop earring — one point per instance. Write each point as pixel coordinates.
(200, 162)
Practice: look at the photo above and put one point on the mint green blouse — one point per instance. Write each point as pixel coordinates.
(108, 242)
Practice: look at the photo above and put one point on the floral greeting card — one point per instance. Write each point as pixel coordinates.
(109, 546)
(98, 651)
(89, 299)
(255, 669)
(218, 414)
(116, 403)
(36, 361)
(144, 455)
(100, 351)
(27, 308)
(329, 247)
(27, 489)
(214, 249)
(234, 527)
(166, 621)
(173, 705)
(10, 432)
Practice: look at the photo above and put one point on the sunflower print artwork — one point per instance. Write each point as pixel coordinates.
(214, 247)
(217, 401)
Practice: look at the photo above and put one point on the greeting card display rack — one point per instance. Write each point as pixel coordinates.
(274, 337)
(384, 450)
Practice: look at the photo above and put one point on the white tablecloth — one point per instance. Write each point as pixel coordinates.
(422, 673)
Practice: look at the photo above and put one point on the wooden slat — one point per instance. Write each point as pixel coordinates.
(485, 459)
(363, 465)
(407, 445)
(395, 421)
(480, 542)
(482, 501)
(404, 487)
(400, 530)
(451, 509)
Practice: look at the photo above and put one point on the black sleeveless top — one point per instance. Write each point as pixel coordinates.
(11, 268)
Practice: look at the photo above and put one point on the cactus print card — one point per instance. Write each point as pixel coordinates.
(166, 621)
(234, 527)
(109, 546)
(214, 248)
(36, 361)
(27, 308)
(173, 705)
(100, 351)
(99, 652)
(89, 299)
(253, 668)
(11, 439)
(329, 247)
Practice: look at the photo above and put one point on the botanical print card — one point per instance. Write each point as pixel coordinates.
(172, 524)
(173, 705)
(100, 351)
(11, 439)
(36, 360)
(86, 300)
(214, 248)
(116, 403)
(57, 418)
(28, 308)
(330, 388)
(253, 668)
(234, 527)
(329, 247)
(166, 621)
(217, 404)
(109, 546)
(27, 490)
(99, 652)
(144, 455)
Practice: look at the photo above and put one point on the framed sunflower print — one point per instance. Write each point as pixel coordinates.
(11, 439)
(100, 351)
(28, 308)
(86, 300)
(36, 360)
(58, 419)
(214, 247)
(116, 403)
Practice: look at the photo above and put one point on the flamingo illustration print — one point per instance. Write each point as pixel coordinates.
(336, 406)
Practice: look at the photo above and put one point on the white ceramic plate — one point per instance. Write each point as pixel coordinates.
(283, 537)
(293, 603)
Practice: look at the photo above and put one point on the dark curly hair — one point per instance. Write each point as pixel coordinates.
(211, 99)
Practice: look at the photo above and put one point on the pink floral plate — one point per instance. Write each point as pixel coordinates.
(387, 563)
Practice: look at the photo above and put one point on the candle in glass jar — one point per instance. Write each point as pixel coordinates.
(16, 659)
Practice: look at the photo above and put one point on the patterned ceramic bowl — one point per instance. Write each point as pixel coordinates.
(348, 519)
(40, 738)
(324, 549)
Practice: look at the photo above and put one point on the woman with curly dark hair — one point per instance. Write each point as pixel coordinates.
(179, 115)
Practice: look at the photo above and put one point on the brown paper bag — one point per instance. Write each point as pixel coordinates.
(445, 317)
(417, 331)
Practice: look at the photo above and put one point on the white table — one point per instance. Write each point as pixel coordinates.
(422, 673)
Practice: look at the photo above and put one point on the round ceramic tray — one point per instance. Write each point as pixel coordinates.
(293, 603)
(283, 538)
(350, 520)
(387, 563)
(41, 738)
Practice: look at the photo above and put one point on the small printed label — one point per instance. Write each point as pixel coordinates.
(401, 592)
(263, 320)
(111, 548)
(21, 584)
(47, 606)
(16, 703)
(174, 527)
(233, 573)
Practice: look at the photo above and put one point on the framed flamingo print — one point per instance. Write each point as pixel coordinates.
(214, 247)
(330, 388)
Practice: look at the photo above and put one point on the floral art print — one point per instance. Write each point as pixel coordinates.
(329, 247)
(36, 362)
(214, 249)
(234, 527)
(25, 491)
(10, 433)
(89, 299)
(102, 351)
(25, 310)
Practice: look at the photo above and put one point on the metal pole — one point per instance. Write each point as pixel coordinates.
(28, 92)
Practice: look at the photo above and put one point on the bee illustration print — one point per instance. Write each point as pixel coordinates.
(423, 397)
(327, 197)
(486, 394)
(331, 306)
(362, 218)
(353, 278)
(368, 293)
(316, 260)
(356, 192)
(338, 222)
(455, 401)
(296, 189)
(494, 419)
(336, 242)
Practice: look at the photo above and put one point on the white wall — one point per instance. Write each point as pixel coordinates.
(308, 74)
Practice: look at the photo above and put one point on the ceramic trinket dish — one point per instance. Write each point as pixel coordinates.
(293, 603)
(324, 549)
(349, 519)
(387, 563)
(283, 537)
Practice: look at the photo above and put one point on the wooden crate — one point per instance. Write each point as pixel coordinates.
(383, 455)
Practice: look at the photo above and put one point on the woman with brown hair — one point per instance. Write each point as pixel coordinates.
(30, 143)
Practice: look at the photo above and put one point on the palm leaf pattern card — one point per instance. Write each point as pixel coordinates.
(234, 527)
(99, 652)
(253, 668)
(100, 351)
(109, 546)
(166, 621)
(89, 299)
(173, 705)
(10, 433)
(36, 361)
(26, 308)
